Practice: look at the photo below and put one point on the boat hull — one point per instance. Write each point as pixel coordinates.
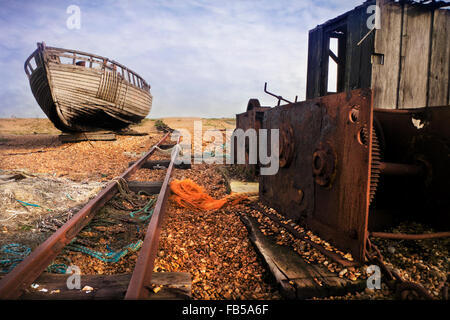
(80, 98)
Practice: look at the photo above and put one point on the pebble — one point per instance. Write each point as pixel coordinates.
(342, 273)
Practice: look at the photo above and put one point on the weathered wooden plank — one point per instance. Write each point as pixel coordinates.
(78, 98)
(342, 64)
(136, 94)
(149, 187)
(358, 65)
(324, 64)
(70, 78)
(76, 54)
(353, 54)
(155, 164)
(82, 74)
(415, 58)
(388, 43)
(85, 136)
(80, 82)
(41, 91)
(174, 286)
(366, 49)
(438, 87)
(71, 68)
(297, 279)
(76, 87)
(314, 63)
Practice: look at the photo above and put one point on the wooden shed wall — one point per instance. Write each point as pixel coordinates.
(357, 70)
(415, 43)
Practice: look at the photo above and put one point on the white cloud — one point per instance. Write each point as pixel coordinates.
(202, 58)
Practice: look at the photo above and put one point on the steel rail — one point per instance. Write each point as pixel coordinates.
(23, 275)
(140, 282)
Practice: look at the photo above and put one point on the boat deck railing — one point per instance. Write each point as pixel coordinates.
(84, 59)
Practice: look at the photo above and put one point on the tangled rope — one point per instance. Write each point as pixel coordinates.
(111, 256)
(146, 209)
(57, 268)
(143, 214)
(130, 197)
(122, 185)
(188, 194)
(125, 191)
(15, 253)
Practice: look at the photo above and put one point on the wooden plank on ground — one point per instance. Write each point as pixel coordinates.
(297, 279)
(88, 136)
(159, 164)
(174, 286)
(148, 187)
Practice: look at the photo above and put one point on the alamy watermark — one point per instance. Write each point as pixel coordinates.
(230, 147)
(74, 20)
(374, 280)
(74, 280)
(374, 20)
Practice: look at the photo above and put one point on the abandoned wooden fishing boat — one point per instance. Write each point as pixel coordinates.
(79, 91)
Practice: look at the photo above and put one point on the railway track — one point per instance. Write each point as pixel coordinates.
(16, 282)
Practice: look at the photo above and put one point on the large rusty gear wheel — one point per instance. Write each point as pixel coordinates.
(375, 165)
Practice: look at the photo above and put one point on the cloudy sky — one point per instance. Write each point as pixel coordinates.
(202, 58)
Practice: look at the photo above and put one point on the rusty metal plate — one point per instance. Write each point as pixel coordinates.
(251, 119)
(326, 184)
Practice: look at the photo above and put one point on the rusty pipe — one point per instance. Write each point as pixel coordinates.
(403, 236)
(400, 169)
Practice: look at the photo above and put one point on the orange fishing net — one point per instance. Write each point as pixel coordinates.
(188, 194)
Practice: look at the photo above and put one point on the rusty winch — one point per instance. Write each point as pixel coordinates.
(346, 168)
(353, 159)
